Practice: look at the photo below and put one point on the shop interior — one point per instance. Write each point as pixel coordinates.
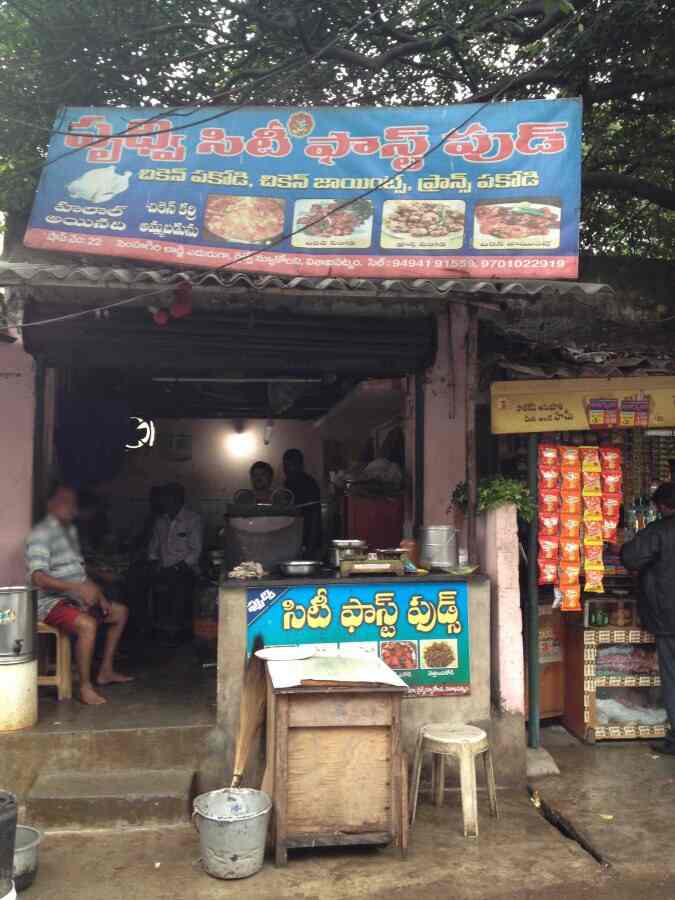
(171, 416)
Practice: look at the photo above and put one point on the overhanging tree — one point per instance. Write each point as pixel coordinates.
(616, 54)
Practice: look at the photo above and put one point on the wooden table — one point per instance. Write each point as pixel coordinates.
(335, 766)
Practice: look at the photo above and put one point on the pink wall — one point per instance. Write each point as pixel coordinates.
(444, 433)
(17, 408)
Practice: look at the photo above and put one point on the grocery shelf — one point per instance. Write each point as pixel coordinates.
(626, 732)
(582, 682)
(609, 635)
(619, 681)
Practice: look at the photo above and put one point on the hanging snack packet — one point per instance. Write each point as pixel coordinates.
(571, 599)
(609, 530)
(592, 484)
(592, 531)
(570, 479)
(549, 501)
(548, 524)
(548, 454)
(570, 551)
(593, 583)
(548, 548)
(568, 575)
(610, 458)
(570, 526)
(611, 481)
(570, 503)
(548, 477)
(548, 571)
(611, 506)
(590, 459)
(593, 555)
(569, 456)
(592, 508)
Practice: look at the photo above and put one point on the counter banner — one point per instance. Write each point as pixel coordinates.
(467, 191)
(421, 630)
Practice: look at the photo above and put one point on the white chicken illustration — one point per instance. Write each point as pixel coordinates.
(99, 185)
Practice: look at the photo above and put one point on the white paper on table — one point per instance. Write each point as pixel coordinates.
(339, 669)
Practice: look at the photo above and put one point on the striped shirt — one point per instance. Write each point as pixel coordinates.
(55, 549)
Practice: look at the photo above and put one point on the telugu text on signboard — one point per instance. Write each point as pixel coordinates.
(474, 191)
(421, 630)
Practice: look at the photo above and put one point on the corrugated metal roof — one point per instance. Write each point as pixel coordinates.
(13, 274)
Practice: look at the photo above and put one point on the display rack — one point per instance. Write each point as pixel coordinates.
(582, 682)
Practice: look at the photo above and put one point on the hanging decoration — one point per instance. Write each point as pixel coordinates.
(180, 307)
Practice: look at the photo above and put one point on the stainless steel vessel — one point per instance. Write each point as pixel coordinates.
(18, 625)
(438, 547)
(300, 568)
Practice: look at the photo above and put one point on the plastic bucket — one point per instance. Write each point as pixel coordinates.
(232, 825)
(28, 842)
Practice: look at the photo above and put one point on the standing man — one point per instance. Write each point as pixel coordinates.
(67, 598)
(307, 496)
(176, 547)
(652, 554)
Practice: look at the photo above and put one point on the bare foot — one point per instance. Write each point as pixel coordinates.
(112, 678)
(89, 696)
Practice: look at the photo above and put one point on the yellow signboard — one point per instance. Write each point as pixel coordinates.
(580, 404)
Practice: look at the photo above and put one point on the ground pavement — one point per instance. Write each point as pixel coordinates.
(617, 795)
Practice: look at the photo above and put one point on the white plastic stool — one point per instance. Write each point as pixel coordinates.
(466, 743)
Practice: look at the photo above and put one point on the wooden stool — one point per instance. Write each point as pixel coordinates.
(62, 679)
(466, 743)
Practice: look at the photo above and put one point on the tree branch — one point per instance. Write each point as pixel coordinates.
(545, 73)
(647, 82)
(613, 181)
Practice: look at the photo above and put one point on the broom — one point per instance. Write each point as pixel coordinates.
(251, 711)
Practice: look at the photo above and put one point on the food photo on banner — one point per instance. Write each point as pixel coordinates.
(467, 191)
(419, 630)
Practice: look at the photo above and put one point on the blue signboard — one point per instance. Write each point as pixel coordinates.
(420, 629)
(471, 191)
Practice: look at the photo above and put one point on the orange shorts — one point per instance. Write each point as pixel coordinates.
(64, 615)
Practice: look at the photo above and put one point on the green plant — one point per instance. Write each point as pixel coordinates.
(497, 491)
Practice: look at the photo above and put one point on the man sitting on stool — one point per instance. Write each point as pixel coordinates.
(67, 598)
(176, 547)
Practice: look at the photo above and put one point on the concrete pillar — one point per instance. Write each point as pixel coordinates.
(498, 547)
(445, 417)
(17, 408)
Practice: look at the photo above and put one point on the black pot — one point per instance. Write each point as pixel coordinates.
(7, 840)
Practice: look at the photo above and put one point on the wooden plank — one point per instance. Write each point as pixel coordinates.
(336, 839)
(574, 682)
(395, 769)
(339, 779)
(405, 812)
(281, 791)
(342, 687)
(321, 711)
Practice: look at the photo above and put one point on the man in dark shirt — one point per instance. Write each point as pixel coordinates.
(308, 497)
(652, 554)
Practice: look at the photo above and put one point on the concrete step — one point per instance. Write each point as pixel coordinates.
(25, 754)
(95, 798)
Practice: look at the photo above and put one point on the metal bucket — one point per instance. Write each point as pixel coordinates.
(232, 825)
(18, 625)
(438, 547)
(28, 842)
